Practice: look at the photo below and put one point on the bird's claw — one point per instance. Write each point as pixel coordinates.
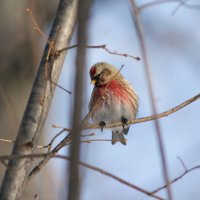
(124, 122)
(102, 124)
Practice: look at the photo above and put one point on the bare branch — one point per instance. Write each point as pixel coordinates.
(102, 140)
(36, 27)
(164, 114)
(159, 2)
(45, 160)
(104, 47)
(49, 146)
(51, 44)
(97, 169)
(148, 118)
(140, 33)
(155, 3)
(38, 146)
(66, 129)
(182, 2)
(186, 171)
(7, 141)
(119, 180)
(113, 52)
(62, 88)
(67, 139)
(182, 163)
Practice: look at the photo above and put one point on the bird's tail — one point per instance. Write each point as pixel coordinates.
(118, 136)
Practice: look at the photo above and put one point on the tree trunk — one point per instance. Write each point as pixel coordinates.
(39, 101)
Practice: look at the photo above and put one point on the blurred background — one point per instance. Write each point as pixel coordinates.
(173, 45)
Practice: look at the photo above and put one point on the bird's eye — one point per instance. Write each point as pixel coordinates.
(100, 75)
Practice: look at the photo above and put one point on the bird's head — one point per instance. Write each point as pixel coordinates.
(101, 73)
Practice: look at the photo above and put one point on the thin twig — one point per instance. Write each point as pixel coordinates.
(54, 138)
(58, 52)
(52, 52)
(56, 126)
(103, 140)
(182, 163)
(186, 171)
(51, 142)
(36, 27)
(155, 3)
(7, 141)
(182, 2)
(159, 2)
(97, 169)
(120, 180)
(13, 141)
(38, 146)
(43, 162)
(115, 75)
(104, 47)
(59, 86)
(86, 135)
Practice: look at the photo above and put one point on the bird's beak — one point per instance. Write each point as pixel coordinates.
(93, 81)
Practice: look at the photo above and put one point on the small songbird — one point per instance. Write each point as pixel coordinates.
(113, 99)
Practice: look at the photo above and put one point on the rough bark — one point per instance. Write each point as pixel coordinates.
(39, 102)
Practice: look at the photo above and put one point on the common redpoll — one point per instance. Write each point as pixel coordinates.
(113, 99)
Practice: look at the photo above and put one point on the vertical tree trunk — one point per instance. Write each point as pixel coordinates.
(39, 102)
(74, 183)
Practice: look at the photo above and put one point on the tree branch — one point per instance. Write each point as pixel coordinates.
(141, 38)
(104, 47)
(67, 139)
(148, 118)
(112, 125)
(159, 2)
(186, 171)
(97, 169)
(45, 160)
(39, 102)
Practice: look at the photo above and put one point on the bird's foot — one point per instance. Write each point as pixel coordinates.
(125, 125)
(124, 122)
(102, 124)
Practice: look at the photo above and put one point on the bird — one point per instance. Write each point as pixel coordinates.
(113, 99)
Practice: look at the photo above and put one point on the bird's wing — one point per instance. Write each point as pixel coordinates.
(132, 95)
